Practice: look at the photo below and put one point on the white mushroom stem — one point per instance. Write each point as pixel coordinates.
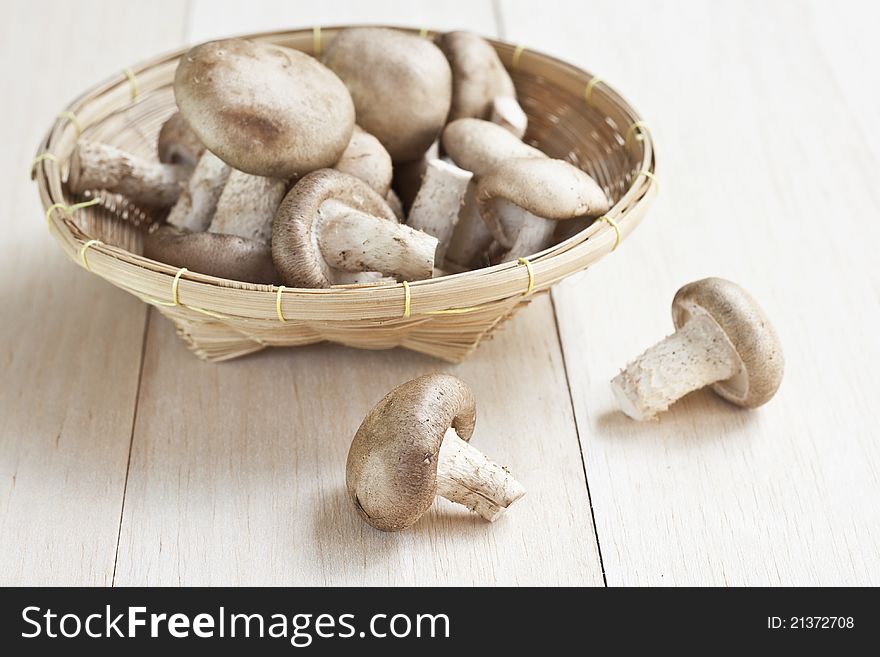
(525, 233)
(471, 239)
(358, 277)
(198, 199)
(466, 476)
(437, 205)
(352, 240)
(396, 205)
(247, 206)
(408, 175)
(507, 113)
(145, 182)
(695, 356)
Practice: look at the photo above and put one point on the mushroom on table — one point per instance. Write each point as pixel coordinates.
(413, 446)
(722, 339)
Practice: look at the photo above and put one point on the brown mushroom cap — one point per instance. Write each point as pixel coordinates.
(401, 85)
(263, 109)
(178, 143)
(214, 254)
(391, 472)
(550, 189)
(478, 76)
(747, 328)
(294, 247)
(367, 159)
(480, 146)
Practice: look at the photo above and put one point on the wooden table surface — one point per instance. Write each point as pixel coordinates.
(124, 460)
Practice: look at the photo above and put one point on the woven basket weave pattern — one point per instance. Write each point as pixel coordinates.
(445, 317)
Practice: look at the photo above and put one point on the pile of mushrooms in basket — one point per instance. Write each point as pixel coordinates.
(394, 157)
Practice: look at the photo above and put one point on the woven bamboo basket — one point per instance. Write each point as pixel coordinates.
(572, 115)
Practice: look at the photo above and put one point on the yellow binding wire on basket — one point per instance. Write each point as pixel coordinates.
(514, 59)
(40, 158)
(132, 81)
(84, 249)
(278, 304)
(68, 209)
(588, 92)
(316, 41)
(175, 298)
(650, 176)
(638, 125)
(70, 116)
(530, 286)
(424, 32)
(407, 300)
(611, 222)
(531, 272)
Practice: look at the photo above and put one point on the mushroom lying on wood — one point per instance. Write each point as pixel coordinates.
(437, 205)
(401, 85)
(198, 198)
(224, 256)
(263, 109)
(413, 446)
(148, 183)
(367, 159)
(247, 206)
(522, 199)
(331, 220)
(481, 86)
(722, 339)
(178, 144)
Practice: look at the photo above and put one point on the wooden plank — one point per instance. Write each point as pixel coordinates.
(850, 48)
(237, 470)
(767, 181)
(70, 344)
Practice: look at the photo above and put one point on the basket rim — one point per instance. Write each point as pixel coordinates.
(498, 282)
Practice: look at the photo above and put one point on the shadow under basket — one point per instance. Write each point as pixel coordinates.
(572, 116)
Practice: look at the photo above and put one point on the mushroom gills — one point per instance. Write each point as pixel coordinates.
(467, 476)
(94, 165)
(695, 356)
(351, 240)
